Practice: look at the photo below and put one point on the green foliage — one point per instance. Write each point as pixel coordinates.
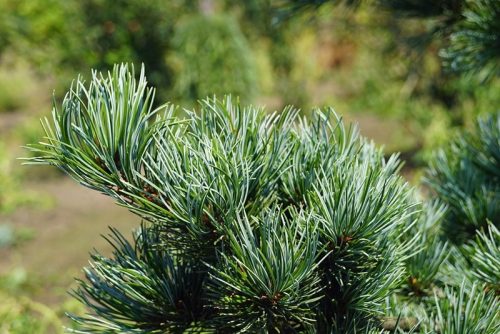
(211, 56)
(411, 307)
(424, 267)
(141, 289)
(20, 314)
(470, 26)
(44, 32)
(483, 254)
(290, 7)
(23, 316)
(226, 189)
(59, 36)
(465, 176)
(474, 44)
(126, 110)
(468, 309)
(137, 31)
(462, 275)
(269, 276)
(254, 219)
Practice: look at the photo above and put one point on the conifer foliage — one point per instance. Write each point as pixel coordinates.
(258, 222)
(466, 176)
(253, 221)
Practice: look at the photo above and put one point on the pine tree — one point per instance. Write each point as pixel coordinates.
(252, 221)
(255, 222)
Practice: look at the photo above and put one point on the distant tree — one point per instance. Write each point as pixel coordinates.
(467, 30)
(46, 33)
(136, 31)
(210, 55)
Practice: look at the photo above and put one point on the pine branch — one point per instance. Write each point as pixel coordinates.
(423, 268)
(469, 309)
(267, 278)
(102, 132)
(475, 44)
(142, 289)
(465, 177)
(483, 254)
(262, 222)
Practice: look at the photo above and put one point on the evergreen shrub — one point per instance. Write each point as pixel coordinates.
(252, 221)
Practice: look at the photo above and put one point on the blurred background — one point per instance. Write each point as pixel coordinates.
(378, 63)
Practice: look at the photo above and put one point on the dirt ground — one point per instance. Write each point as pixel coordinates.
(63, 235)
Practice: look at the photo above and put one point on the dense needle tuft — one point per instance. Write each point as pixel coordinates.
(253, 221)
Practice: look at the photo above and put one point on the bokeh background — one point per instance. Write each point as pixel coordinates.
(381, 69)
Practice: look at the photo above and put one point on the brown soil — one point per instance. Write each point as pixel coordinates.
(63, 235)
